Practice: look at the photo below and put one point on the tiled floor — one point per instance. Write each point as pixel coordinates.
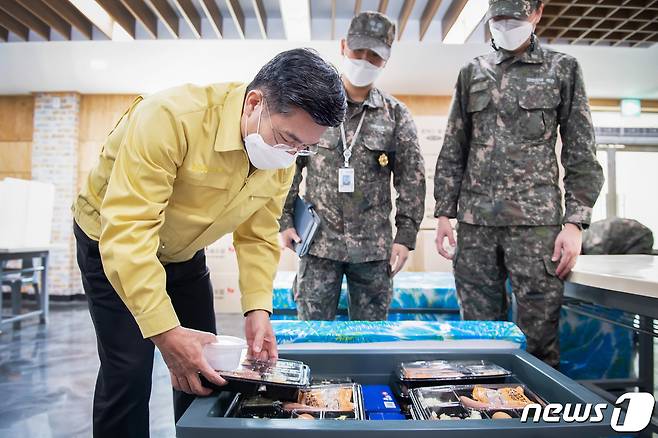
(47, 377)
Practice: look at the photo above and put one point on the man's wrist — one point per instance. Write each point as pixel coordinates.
(160, 337)
(577, 225)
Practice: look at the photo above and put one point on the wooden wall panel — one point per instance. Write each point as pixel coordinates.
(16, 127)
(426, 105)
(15, 157)
(648, 106)
(18, 175)
(440, 105)
(100, 112)
(16, 118)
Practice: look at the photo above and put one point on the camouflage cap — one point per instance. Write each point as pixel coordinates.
(371, 30)
(512, 8)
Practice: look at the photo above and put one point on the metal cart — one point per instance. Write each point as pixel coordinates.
(205, 418)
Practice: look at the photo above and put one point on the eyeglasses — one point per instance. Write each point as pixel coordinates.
(302, 151)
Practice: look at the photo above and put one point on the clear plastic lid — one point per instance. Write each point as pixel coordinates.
(502, 396)
(472, 402)
(437, 370)
(435, 396)
(435, 400)
(280, 372)
(329, 398)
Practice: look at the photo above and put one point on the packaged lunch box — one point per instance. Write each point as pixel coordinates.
(336, 402)
(419, 374)
(255, 406)
(472, 402)
(344, 399)
(449, 370)
(276, 380)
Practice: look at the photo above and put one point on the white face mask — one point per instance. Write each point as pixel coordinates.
(510, 34)
(264, 156)
(360, 72)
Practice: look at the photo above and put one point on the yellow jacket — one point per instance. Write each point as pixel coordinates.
(173, 177)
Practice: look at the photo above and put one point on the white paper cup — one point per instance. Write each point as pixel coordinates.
(225, 353)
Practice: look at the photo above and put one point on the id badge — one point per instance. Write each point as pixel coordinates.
(346, 180)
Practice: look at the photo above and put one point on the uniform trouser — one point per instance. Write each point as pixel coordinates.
(319, 282)
(486, 256)
(123, 385)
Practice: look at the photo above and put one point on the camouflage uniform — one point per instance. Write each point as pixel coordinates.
(369, 291)
(355, 237)
(497, 173)
(617, 236)
(486, 256)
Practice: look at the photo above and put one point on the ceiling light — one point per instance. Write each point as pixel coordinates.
(101, 19)
(296, 16)
(468, 19)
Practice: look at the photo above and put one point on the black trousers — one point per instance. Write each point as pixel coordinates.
(123, 386)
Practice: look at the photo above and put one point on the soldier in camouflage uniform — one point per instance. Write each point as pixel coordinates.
(617, 236)
(497, 173)
(355, 237)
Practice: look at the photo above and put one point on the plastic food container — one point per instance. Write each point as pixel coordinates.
(326, 402)
(472, 402)
(420, 374)
(277, 380)
(225, 353)
(445, 370)
(255, 406)
(341, 401)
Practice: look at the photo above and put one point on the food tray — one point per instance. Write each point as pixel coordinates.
(459, 402)
(340, 402)
(277, 380)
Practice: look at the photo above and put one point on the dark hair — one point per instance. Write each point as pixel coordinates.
(301, 78)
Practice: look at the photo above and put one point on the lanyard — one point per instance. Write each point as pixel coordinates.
(347, 151)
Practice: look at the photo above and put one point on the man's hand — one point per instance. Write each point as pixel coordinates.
(399, 257)
(443, 230)
(261, 341)
(567, 248)
(289, 237)
(182, 350)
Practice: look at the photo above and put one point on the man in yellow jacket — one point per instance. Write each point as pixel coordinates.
(180, 169)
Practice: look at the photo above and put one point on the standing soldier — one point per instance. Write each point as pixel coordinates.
(348, 182)
(498, 175)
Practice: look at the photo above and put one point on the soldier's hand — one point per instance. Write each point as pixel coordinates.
(289, 237)
(567, 247)
(399, 257)
(443, 230)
